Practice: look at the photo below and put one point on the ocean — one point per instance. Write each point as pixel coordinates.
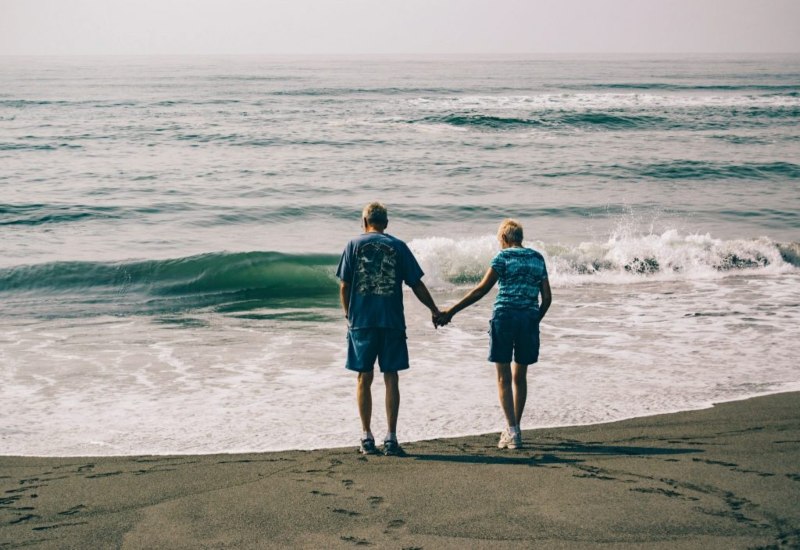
(170, 227)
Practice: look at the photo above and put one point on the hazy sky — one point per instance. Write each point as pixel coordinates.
(396, 26)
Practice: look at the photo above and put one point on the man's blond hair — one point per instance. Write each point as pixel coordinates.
(375, 213)
(510, 231)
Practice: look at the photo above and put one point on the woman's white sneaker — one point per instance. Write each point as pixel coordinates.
(509, 440)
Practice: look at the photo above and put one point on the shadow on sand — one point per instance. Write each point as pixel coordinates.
(546, 455)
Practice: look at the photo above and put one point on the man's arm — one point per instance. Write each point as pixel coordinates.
(422, 294)
(344, 297)
(547, 299)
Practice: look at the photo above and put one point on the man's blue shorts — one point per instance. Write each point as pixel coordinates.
(388, 346)
(514, 332)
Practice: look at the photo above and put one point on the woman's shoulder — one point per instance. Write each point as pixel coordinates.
(522, 251)
(535, 253)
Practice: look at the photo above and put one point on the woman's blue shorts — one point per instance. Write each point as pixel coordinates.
(514, 334)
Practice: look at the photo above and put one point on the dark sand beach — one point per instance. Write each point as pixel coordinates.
(725, 477)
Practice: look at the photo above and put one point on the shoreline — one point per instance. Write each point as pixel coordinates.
(403, 442)
(720, 477)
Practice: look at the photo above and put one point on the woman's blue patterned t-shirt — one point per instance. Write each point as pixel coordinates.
(521, 272)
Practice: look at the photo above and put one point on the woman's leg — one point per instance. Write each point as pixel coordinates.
(505, 392)
(520, 378)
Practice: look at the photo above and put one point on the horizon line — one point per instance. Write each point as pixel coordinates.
(392, 54)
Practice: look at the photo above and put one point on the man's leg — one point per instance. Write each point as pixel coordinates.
(505, 392)
(392, 381)
(390, 445)
(364, 395)
(520, 390)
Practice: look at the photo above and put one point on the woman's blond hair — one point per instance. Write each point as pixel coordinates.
(510, 231)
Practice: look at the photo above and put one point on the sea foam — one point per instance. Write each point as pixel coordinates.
(623, 258)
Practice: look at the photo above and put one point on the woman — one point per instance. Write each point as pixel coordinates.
(514, 327)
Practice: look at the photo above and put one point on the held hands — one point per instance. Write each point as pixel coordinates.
(441, 318)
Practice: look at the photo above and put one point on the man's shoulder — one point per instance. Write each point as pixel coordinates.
(372, 236)
(359, 239)
(383, 239)
(391, 240)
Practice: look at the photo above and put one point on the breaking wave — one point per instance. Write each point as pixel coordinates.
(249, 280)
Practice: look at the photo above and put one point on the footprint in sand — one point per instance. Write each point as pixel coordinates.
(375, 501)
(22, 519)
(23, 489)
(59, 525)
(394, 524)
(355, 540)
(72, 511)
(663, 492)
(106, 474)
(344, 512)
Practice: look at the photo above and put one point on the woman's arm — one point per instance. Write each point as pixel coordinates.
(547, 299)
(486, 284)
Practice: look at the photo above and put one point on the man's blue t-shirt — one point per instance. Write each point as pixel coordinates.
(520, 272)
(376, 265)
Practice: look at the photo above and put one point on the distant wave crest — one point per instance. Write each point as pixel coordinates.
(667, 86)
(694, 170)
(585, 119)
(610, 120)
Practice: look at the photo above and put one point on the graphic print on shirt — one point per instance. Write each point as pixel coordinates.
(376, 269)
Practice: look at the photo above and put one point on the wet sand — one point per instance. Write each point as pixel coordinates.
(726, 477)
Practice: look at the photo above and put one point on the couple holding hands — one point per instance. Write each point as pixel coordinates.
(371, 272)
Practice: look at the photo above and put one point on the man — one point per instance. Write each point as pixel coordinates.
(372, 270)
